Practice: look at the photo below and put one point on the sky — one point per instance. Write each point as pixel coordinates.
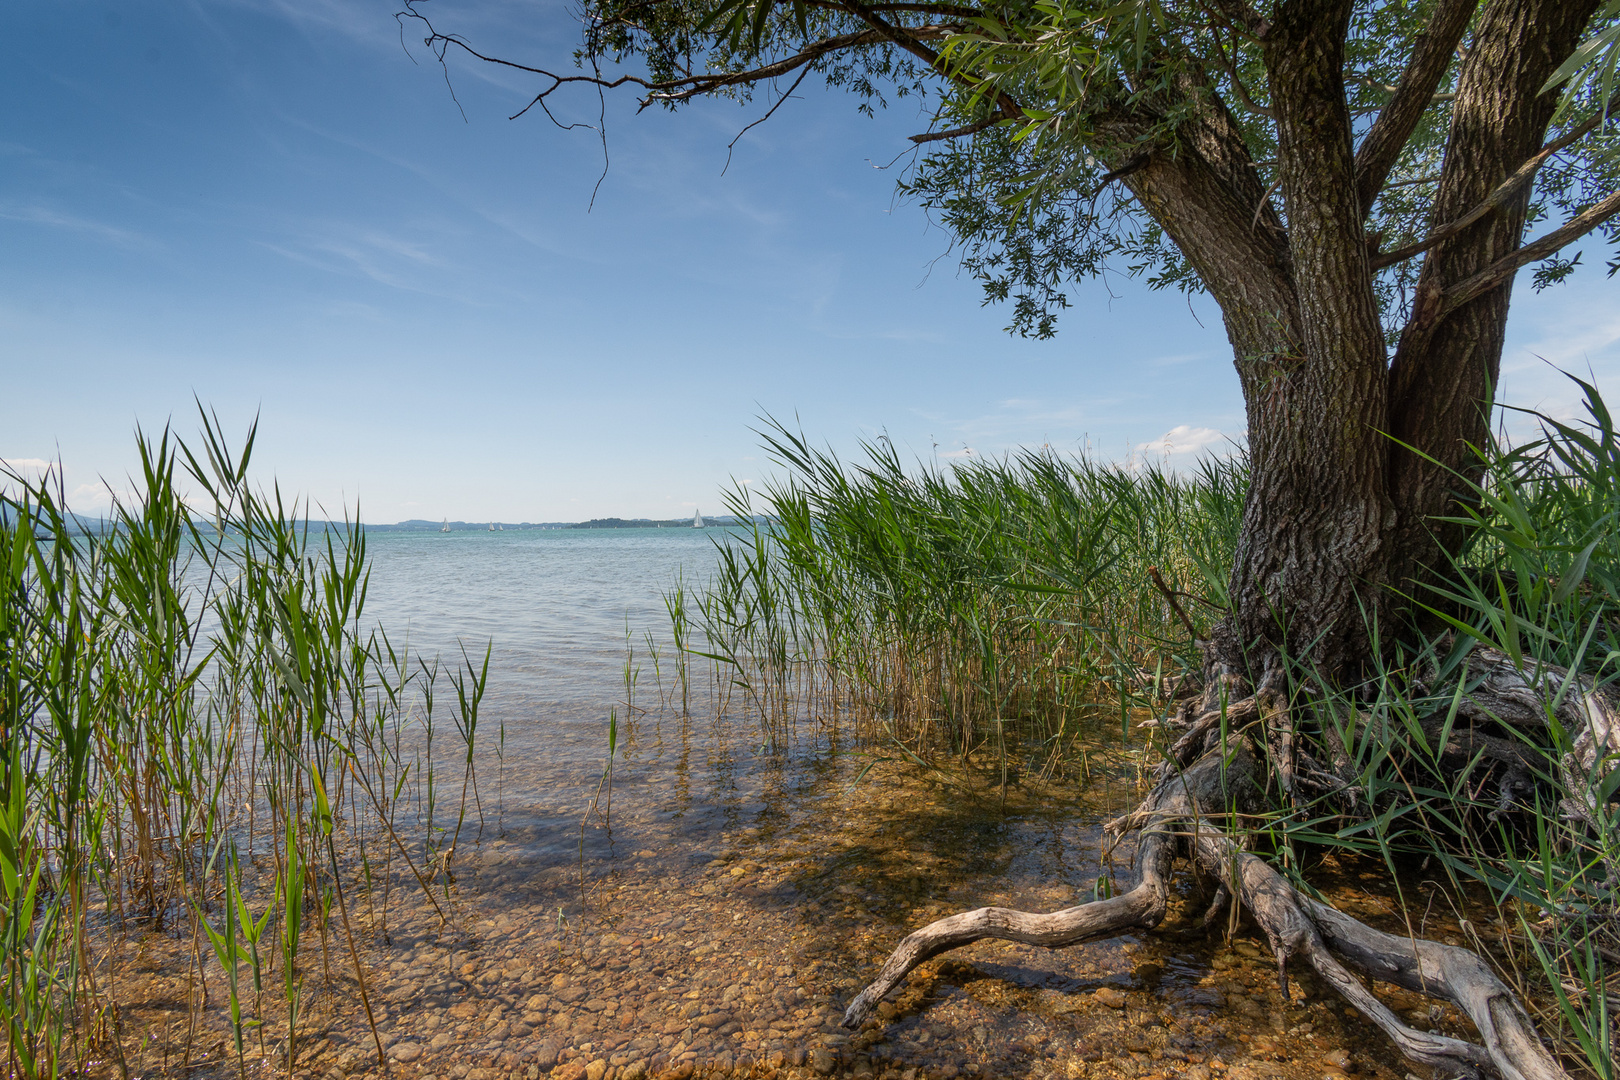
(281, 209)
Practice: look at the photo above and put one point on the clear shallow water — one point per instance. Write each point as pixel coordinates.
(562, 609)
(738, 896)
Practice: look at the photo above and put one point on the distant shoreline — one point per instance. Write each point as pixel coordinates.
(416, 525)
(92, 526)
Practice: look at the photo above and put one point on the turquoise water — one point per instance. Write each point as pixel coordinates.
(555, 605)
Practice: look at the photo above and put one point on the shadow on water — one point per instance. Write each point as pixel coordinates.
(738, 899)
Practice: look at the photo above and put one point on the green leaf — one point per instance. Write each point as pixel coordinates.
(1577, 571)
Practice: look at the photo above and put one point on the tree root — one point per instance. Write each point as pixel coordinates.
(1185, 811)
(1141, 908)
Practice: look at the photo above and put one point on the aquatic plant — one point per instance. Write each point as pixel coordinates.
(936, 603)
(189, 677)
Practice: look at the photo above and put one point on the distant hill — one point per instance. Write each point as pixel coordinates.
(633, 523)
(419, 525)
(721, 521)
(423, 525)
(83, 526)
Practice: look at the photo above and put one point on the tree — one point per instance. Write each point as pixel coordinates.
(1352, 181)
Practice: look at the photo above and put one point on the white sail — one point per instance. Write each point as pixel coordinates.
(446, 526)
(697, 519)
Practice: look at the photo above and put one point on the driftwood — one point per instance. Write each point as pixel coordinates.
(1204, 788)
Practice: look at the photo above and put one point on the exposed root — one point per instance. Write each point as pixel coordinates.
(1296, 925)
(1499, 691)
(1201, 785)
(1141, 908)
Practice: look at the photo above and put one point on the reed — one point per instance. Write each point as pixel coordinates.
(190, 678)
(947, 606)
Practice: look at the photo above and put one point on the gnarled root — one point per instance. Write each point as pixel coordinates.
(1141, 908)
(1183, 808)
(1296, 925)
(1503, 692)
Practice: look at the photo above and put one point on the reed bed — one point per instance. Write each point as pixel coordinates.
(201, 739)
(943, 607)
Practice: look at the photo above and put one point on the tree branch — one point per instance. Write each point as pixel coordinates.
(958, 132)
(1242, 15)
(1242, 91)
(1382, 147)
(906, 37)
(1504, 193)
(1502, 269)
(671, 90)
(955, 11)
(769, 113)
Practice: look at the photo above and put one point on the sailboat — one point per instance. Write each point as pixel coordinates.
(697, 519)
(446, 526)
(492, 526)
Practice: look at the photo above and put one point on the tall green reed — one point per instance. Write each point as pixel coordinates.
(943, 604)
(190, 675)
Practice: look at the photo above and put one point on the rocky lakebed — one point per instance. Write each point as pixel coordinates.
(717, 923)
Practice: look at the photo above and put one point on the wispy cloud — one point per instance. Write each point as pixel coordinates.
(49, 217)
(390, 259)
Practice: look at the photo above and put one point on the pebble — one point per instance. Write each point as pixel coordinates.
(649, 979)
(405, 1051)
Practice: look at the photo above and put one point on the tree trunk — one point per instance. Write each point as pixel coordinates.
(1337, 507)
(1445, 371)
(1311, 553)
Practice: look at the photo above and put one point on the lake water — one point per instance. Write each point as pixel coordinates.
(562, 610)
(554, 603)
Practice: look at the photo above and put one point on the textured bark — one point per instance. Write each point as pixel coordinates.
(1431, 56)
(1446, 368)
(1310, 555)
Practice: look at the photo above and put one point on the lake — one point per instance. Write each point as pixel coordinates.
(555, 603)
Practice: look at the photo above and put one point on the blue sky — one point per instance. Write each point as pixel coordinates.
(269, 206)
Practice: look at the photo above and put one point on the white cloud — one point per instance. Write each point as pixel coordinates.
(1181, 439)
